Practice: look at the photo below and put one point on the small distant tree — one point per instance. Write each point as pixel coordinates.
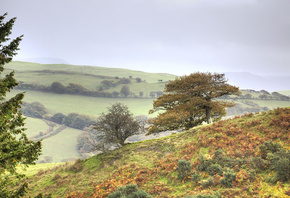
(58, 118)
(248, 96)
(125, 90)
(189, 100)
(141, 94)
(57, 87)
(34, 109)
(263, 96)
(117, 125)
(115, 94)
(15, 147)
(138, 80)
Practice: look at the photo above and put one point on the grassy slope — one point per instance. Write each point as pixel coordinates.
(152, 163)
(87, 76)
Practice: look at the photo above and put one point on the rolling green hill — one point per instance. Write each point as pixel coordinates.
(227, 157)
(91, 78)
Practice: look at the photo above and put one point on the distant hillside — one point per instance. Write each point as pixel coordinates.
(228, 158)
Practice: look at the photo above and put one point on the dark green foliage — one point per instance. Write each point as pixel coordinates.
(57, 87)
(76, 120)
(269, 147)
(129, 191)
(282, 168)
(215, 195)
(204, 163)
(58, 118)
(196, 177)
(215, 169)
(259, 164)
(15, 148)
(226, 161)
(184, 169)
(208, 182)
(125, 90)
(229, 177)
(280, 162)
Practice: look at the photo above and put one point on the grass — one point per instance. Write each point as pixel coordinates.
(151, 164)
(62, 146)
(61, 103)
(34, 126)
(87, 76)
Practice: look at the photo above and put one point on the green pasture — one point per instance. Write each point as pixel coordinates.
(284, 92)
(95, 70)
(271, 104)
(61, 103)
(61, 146)
(34, 126)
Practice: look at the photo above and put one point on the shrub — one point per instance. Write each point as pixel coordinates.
(215, 169)
(259, 163)
(208, 182)
(129, 191)
(269, 147)
(229, 177)
(215, 195)
(204, 163)
(282, 168)
(281, 164)
(196, 177)
(184, 169)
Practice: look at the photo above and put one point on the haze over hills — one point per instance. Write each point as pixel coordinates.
(244, 80)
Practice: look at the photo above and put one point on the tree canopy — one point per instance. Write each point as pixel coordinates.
(190, 100)
(117, 125)
(15, 148)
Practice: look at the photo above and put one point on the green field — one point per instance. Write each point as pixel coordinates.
(62, 146)
(87, 76)
(61, 103)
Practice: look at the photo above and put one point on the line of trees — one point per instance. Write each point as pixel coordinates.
(76, 89)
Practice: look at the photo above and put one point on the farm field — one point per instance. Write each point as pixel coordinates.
(56, 103)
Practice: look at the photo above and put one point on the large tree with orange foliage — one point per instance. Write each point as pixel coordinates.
(190, 100)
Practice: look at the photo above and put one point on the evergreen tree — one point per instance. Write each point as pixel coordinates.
(15, 148)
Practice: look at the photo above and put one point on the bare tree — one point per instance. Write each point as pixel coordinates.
(115, 126)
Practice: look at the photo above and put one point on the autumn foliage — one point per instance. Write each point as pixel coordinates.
(223, 161)
(190, 100)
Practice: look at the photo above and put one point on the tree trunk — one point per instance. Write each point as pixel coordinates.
(207, 113)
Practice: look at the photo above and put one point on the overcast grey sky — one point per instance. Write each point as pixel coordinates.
(169, 36)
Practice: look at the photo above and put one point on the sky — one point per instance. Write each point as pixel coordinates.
(166, 36)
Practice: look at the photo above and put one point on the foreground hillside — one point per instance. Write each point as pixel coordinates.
(246, 156)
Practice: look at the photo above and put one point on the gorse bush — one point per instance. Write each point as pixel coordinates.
(215, 169)
(229, 177)
(129, 191)
(215, 195)
(184, 169)
(208, 182)
(269, 147)
(196, 177)
(281, 164)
